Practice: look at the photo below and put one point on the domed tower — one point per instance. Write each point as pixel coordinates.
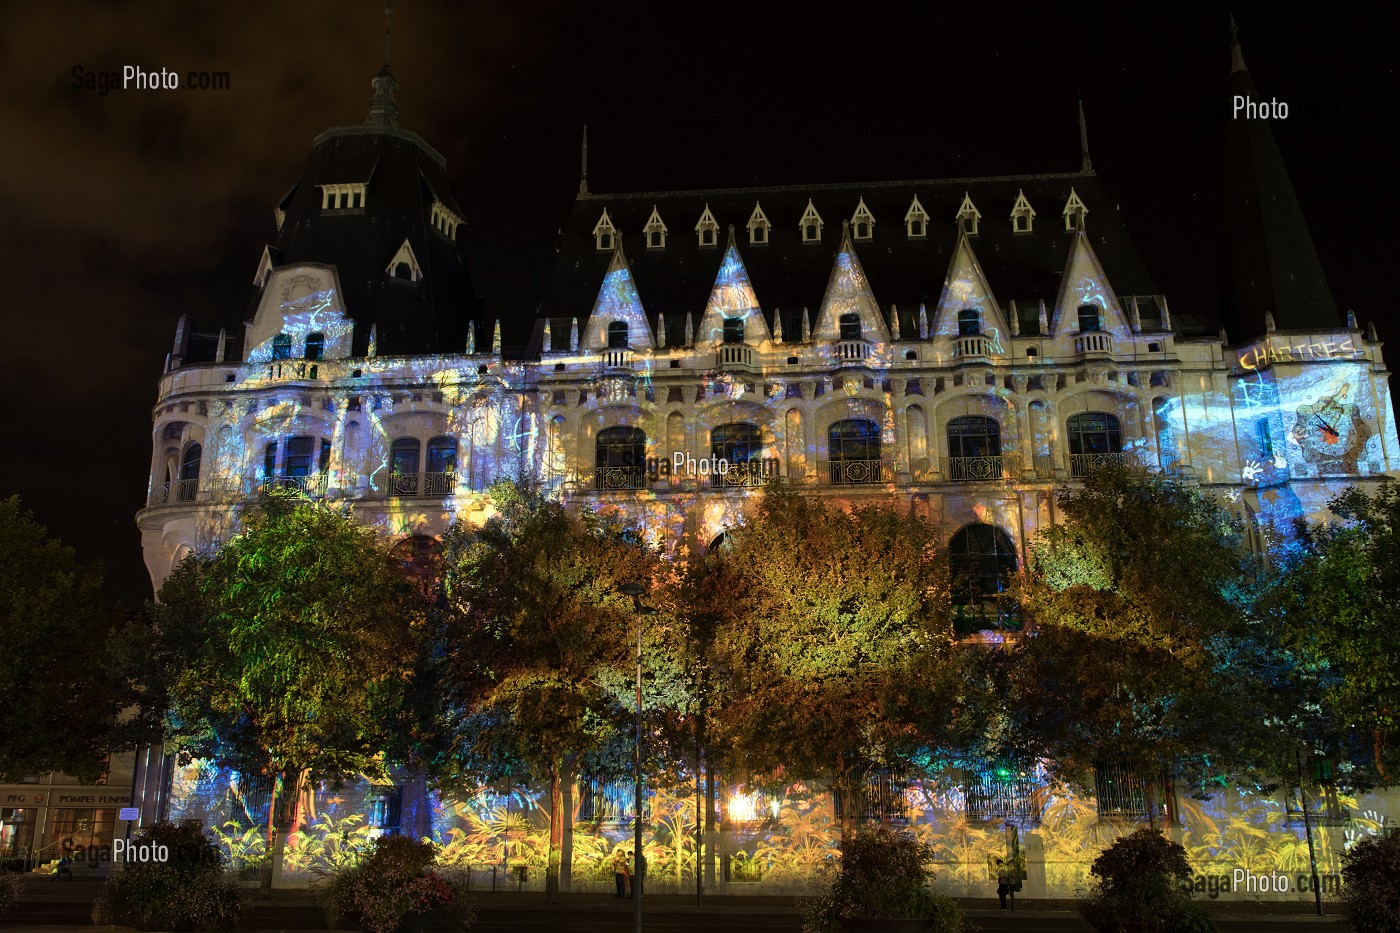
(374, 208)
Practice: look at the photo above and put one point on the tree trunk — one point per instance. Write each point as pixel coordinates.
(282, 809)
(556, 837)
(566, 848)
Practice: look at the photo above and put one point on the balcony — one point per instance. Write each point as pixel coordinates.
(313, 486)
(734, 356)
(616, 478)
(979, 469)
(745, 474)
(1081, 465)
(853, 352)
(854, 472)
(617, 358)
(1093, 342)
(973, 345)
(423, 485)
(184, 490)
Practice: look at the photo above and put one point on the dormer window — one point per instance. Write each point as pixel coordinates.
(404, 265)
(1075, 211)
(707, 229)
(811, 224)
(968, 215)
(617, 335)
(969, 322)
(604, 231)
(863, 222)
(445, 220)
(315, 345)
(733, 330)
(655, 230)
(1022, 214)
(850, 326)
(1089, 320)
(758, 226)
(282, 347)
(342, 197)
(916, 220)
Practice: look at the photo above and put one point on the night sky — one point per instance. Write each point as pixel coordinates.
(119, 212)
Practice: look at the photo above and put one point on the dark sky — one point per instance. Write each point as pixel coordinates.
(119, 212)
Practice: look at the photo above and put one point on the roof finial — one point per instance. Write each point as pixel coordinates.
(583, 178)
(1085, 165)
(1236, 56)
(388, 29)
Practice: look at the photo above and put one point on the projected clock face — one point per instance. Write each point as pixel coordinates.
(1329, 428)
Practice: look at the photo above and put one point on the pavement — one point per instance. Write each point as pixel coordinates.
(49, 906)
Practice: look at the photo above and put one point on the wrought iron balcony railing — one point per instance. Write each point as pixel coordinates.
(978, 469)
(609, 478)
(855, 472)
(1081, 465)
(748, 473)
(313, 486)
(428, 485)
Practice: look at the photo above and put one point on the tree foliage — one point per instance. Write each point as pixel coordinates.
(59, 702)
(831, 639)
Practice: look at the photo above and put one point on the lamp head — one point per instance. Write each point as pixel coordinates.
(631, 589)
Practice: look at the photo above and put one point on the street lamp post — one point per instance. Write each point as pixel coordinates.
(635, 590)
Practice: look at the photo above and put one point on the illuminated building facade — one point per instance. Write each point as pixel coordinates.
(964, 347)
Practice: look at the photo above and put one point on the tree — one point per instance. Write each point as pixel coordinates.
(59, 701)
(831, 641)
(539, 651)
(290, 651)
(1335, 604)
(1139, 603)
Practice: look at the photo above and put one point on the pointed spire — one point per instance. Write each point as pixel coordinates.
(471, 337)
(583, 175)
(777, 325)
(1135, 314)
(1224, 337)
(660, 331)
(806, 325)
(573, 335)
(1269, 325)
(1166, 316)
(223, 342)
(1014, 318)
(1043, 319)
(496, 339)
(732, 296)
(923, 321)
(383, 111)
(1371, 332)
(894, 322)
(388, 29)
(1236, 55)
(689, 330)
(1351, 320)
(548, 343)
(1084, 164)
(373, 340)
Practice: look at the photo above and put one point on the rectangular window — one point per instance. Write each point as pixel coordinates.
(270, 460)
(297, 461)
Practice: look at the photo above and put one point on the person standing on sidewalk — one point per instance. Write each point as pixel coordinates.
(619, 866)
(1005, 881)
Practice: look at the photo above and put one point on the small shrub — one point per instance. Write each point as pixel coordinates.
(189, 889)
(1140, 880)
(394, 881)
(881, 875)
(1371, 884)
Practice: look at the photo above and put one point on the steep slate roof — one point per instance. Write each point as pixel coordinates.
(1272, 264)
(789, 274)
(403, 176)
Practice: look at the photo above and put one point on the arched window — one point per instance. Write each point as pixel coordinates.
(442, 466)
(403, 271)
(282, 347)
(403, 467)
(189, 472)
(617, 335)
(974, 448)
(969, 322)
(315, 344)
(854, 451)
(269, 461)
(982, 560)
(1094, 432)
(620, 458)
(850, 327)
(733, 330)
(741, 445)
(1089, 321)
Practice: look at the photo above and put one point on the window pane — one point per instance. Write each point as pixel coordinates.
(442, 455)
(298, 456)
(974, 436)
(850, 327)
(315, 343)
(737, 443)
(621, 446)
(854, 440)
(617, 335)
(969, 322)
(405, 455)
(1088, 318)
(282, 347)
(733, 330)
